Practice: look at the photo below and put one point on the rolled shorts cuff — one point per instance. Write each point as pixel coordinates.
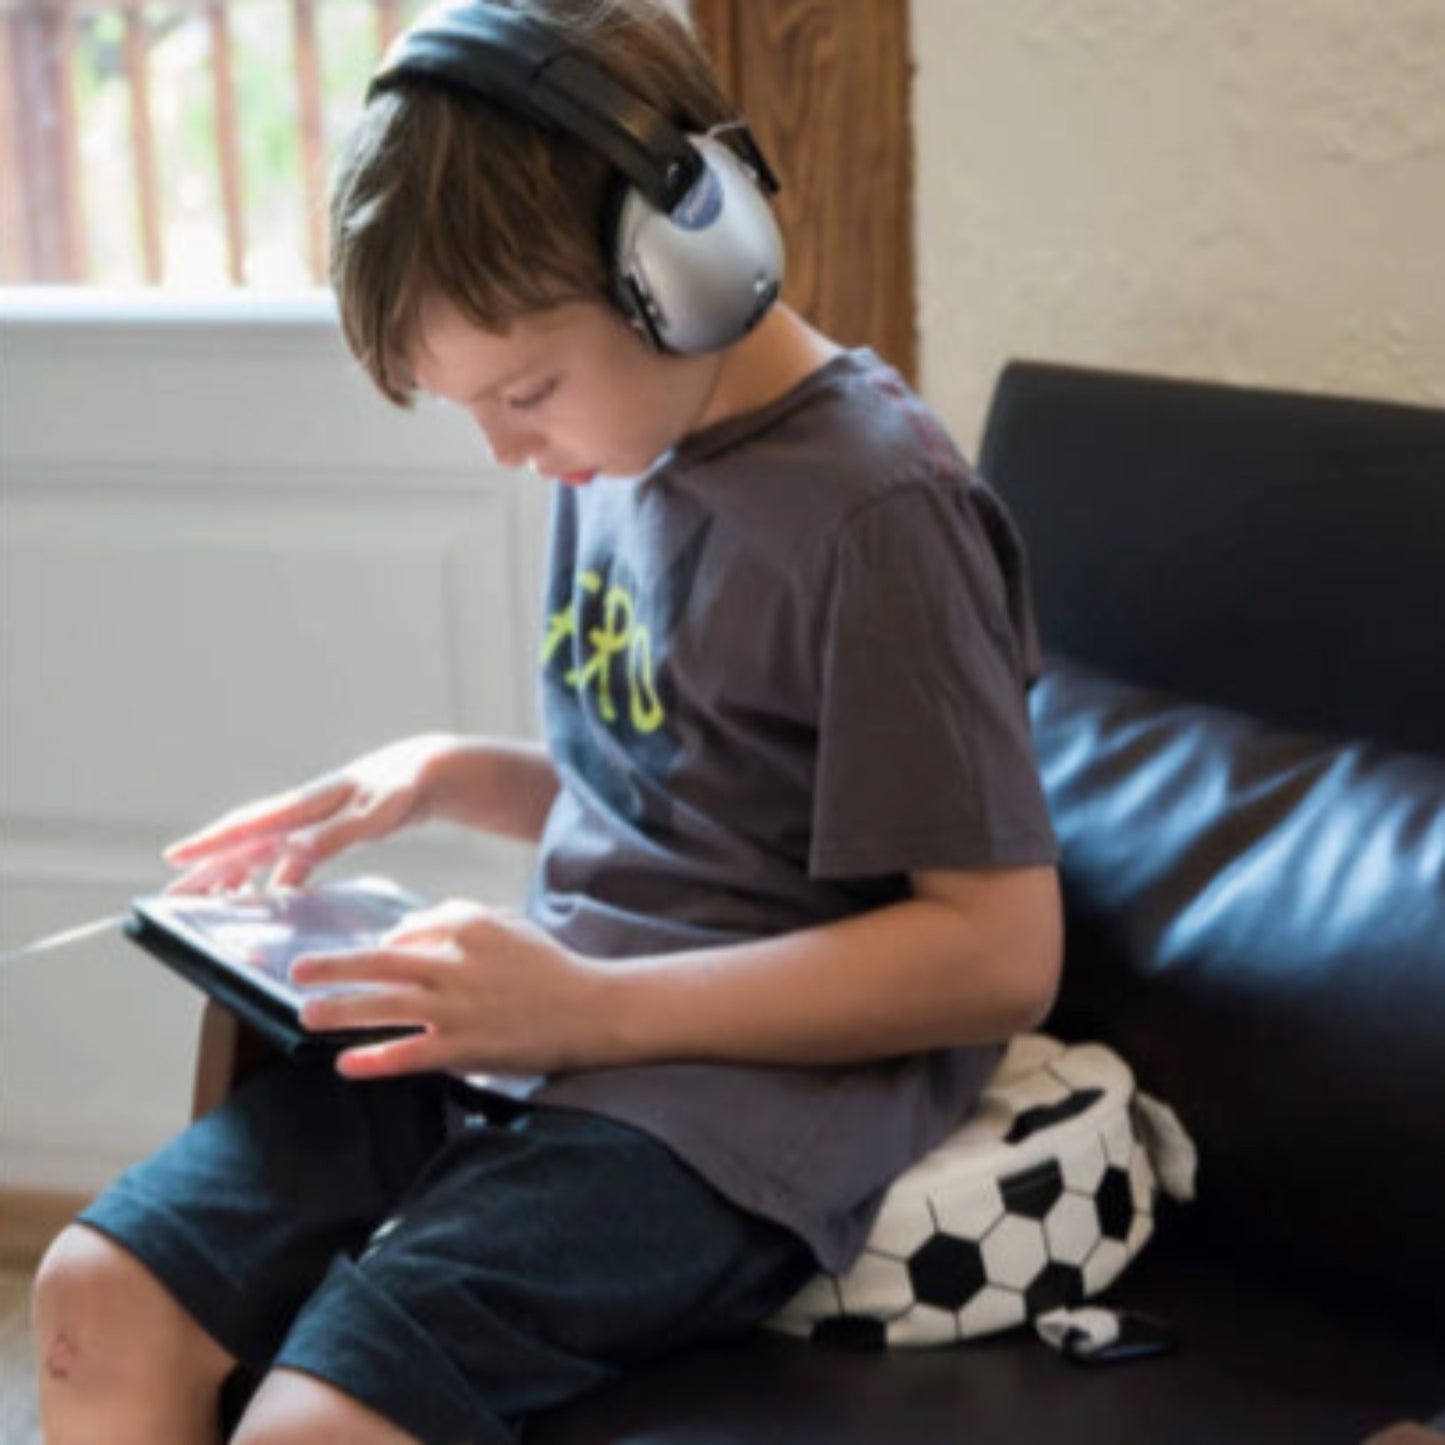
(158, 1237)
(353, 1336)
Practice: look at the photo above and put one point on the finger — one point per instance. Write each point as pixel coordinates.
(280, 813)
(366, 1009)
(379, 966)
(291, 871)
(310, 847)
(223, 874)
(418, 1054)
(230, 869)
(196, 881)
(313, 846)
(436, 922)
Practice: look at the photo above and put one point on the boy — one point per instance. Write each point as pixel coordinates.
(795, 879)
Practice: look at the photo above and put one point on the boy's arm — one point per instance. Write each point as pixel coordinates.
(501, 786)
(973, 957)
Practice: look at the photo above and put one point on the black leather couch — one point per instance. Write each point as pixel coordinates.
(1242, 732)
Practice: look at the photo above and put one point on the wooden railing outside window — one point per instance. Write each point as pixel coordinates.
(133, 130)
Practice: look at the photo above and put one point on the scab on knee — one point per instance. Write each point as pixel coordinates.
(61, 1358)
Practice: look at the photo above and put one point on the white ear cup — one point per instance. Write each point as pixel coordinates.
(702, 275)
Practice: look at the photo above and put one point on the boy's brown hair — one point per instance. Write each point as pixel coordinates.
(450, 195)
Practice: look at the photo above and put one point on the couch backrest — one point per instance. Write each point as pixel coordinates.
(1280, 553)
(1256, 917)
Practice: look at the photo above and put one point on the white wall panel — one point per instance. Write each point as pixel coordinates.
(239, 635)
(225, 566)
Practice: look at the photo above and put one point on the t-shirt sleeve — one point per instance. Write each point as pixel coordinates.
(925, 755)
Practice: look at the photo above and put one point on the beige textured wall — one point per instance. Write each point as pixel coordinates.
(1244, 190)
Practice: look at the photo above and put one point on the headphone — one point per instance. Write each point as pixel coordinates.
(694, 255)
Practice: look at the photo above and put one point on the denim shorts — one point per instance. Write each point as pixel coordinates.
(454, 1274)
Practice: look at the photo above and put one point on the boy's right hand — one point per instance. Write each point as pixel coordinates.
(293, 833)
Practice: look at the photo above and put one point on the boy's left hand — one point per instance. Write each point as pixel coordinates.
(493, 993)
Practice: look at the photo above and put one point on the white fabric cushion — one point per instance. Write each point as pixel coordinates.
(1038, 1201)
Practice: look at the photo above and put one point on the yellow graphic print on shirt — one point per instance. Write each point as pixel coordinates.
(621, 632)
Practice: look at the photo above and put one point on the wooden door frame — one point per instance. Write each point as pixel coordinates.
(827, 88)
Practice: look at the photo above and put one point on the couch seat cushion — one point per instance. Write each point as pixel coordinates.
(1258, 1361)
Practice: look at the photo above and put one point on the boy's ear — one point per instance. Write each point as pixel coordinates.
(638, 314)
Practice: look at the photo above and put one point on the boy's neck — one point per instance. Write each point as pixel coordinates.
(766, 364)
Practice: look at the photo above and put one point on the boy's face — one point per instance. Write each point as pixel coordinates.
(571, 392)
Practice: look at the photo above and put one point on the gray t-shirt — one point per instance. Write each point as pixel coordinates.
(781, 669)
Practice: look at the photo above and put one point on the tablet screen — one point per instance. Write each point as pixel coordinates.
(255, 937)
(259, 935)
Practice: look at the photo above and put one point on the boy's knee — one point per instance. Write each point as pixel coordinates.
(82, 1274)
(94, 1300)
(78, 1297)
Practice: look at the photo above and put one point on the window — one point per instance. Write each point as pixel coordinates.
(185, 143)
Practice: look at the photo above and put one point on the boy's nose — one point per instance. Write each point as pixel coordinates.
(511, 446)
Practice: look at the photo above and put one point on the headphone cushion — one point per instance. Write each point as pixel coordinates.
(707, 271)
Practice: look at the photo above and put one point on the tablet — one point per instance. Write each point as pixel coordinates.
(239, 947)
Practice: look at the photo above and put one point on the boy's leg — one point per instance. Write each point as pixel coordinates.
(527, 1266)
(291, 1408)
(228, 1228)
(120, 1360)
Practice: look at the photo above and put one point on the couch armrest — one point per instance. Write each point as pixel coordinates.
(228, 1054)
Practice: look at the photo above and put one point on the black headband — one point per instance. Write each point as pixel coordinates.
(492, 53)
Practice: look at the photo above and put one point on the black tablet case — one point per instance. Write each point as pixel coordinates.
(268, 1015)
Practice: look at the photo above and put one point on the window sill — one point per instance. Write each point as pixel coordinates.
(86, 306)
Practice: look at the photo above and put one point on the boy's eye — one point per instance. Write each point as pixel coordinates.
(535, 397)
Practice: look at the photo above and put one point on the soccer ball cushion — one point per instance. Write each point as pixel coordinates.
(1037, 1202)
